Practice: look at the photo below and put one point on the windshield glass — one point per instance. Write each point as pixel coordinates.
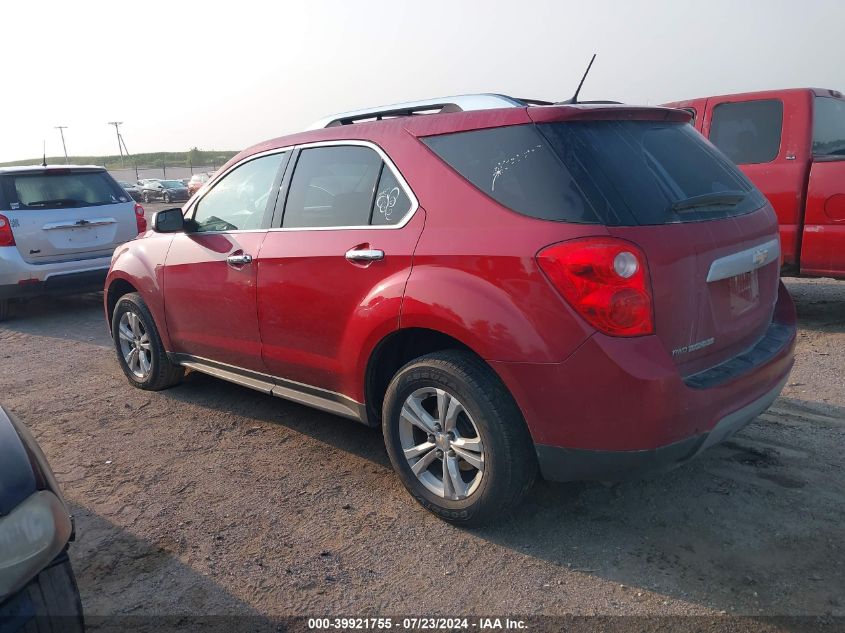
(46, 190)
(172, 184)
(829, 127)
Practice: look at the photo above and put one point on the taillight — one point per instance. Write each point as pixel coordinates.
(6, 237)
(140, 220)
(605, 280)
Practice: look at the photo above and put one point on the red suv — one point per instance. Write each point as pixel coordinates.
(590, 291)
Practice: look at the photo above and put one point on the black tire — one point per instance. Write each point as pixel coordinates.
(167, 198)
(4, 309)
(510, 463)
(146, 197)
(51, 600)
(163, 373)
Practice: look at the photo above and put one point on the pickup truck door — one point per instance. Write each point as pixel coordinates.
(823, 245)
(768, 137)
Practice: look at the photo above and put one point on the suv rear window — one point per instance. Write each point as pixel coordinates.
(748, 132)
(56, 189)
(829, 127)
(617, 173)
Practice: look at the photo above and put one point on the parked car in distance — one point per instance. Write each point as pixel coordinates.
(791, 144)
(500, 286)
(133, 190)
(197, 181)
(38, 589)
(164, 190)
(58, 229)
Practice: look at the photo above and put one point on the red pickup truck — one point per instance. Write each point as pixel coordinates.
(791, 144)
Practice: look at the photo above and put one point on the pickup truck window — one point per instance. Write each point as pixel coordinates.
(829, 127)
(748, 132)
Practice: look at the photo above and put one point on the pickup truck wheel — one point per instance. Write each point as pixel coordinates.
(138, 345)
(50, 603)
(4, 309)
(457, 439)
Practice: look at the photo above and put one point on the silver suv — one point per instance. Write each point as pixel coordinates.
(58, 229)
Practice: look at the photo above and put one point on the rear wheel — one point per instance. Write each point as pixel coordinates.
(139, 348)
(4, 309)
(146, 197)
(457, 439)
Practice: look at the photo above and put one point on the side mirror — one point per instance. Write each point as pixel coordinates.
(169, 221)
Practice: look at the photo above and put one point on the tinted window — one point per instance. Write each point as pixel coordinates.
(829, 127)
(59, 189)
(748, 132)
(391, 202)
(240, 199)
(514, 166)
(619, 173)
(332, 186)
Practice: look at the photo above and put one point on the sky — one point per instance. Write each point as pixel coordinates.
(226, 75)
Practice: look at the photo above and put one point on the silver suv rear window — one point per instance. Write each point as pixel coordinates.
(616, 173)
(58, 188)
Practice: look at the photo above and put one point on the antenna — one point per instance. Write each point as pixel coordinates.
(44, 147)
(574, 98)
(61, 129)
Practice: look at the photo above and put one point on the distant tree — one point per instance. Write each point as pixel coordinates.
(194, 157)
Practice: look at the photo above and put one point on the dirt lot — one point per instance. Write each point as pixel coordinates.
(211, 498)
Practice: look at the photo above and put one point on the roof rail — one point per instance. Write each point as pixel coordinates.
(459, 103)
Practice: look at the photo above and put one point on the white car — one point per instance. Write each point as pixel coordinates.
(59, 226)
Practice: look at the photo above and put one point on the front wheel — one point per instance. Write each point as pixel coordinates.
(140, 352)
(146, 197)
(167, 198)
(457, 439)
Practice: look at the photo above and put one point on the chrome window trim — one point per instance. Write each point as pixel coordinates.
(189, 210)
(744, 261)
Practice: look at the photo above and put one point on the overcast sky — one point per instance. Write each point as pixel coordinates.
(225, 75)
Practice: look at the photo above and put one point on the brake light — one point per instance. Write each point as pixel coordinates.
(6, 236)
(140, 220)
(605, 280)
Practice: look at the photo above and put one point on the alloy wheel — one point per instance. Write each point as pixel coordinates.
(135, 345)
(441, 443)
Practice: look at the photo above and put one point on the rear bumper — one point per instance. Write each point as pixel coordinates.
(567, 464)
(19, 278)
(620, 407)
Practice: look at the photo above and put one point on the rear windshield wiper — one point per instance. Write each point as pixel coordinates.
(719, 198)
(58, 202)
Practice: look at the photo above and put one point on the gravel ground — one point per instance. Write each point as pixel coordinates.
(211, 498)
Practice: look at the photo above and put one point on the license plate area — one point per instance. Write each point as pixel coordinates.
(744, 292)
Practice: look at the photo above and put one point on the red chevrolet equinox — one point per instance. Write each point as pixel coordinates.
(505, 287)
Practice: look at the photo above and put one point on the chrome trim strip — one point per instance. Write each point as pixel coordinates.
(486, 101)
(301, 393)
(387, 161)
(75, 225)
(744, 261)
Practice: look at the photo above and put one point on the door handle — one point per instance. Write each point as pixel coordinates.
(364, 255)
(239, 260)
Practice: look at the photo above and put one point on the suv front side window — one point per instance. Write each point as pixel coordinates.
(239, 200)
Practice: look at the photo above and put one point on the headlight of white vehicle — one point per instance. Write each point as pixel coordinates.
(31, 536)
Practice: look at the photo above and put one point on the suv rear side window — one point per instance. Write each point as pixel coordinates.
(748, 132)
(617, 173)
(57, 189)
(332, 187)
(829, 127)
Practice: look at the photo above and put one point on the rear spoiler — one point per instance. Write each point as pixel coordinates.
(605, 112)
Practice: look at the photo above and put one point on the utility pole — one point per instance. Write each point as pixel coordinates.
(61, 129)
(128, 155)
(117, 125)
